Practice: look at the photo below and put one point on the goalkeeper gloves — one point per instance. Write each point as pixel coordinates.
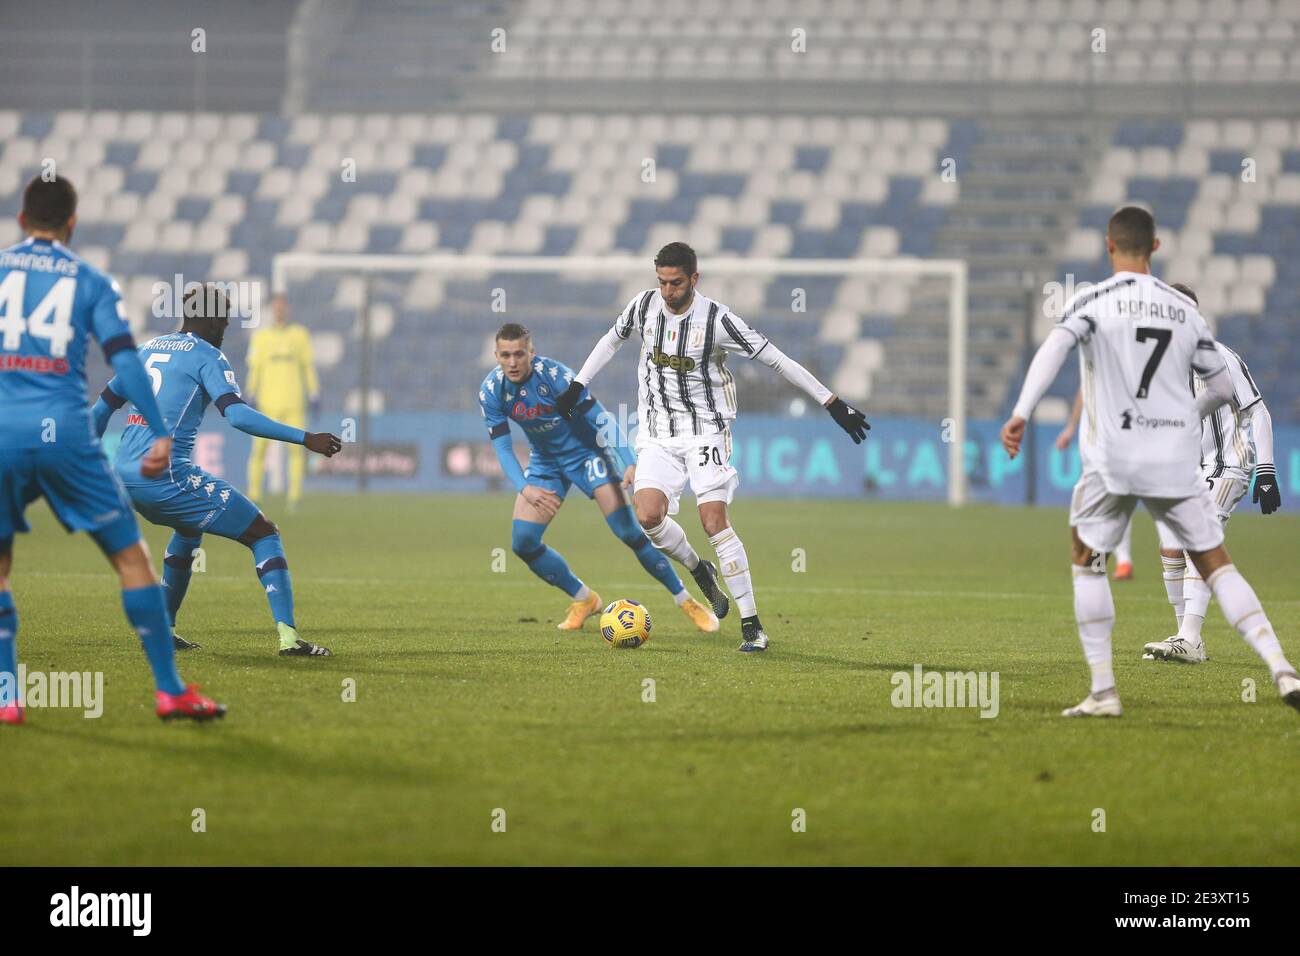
(568, 399)
(1267, 494)
(850, 419)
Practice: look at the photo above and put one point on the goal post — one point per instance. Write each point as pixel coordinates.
(287, 265)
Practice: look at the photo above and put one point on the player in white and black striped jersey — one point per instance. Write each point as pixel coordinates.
(1139, 341)
(686, 401)
(1236, 445)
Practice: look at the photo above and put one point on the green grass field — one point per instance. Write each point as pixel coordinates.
(469, 700)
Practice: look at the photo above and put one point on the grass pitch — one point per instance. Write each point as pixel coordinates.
(468, 701)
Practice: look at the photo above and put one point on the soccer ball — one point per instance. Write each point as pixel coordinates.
(625, 624)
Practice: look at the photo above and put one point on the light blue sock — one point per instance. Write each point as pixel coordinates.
(146, 609)
(8, 649)
(544, 561)
(177, 565)
(273, 572)
(624, 524)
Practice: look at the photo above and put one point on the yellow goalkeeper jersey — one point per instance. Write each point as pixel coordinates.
(281, 373)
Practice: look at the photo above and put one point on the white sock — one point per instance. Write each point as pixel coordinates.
(1197, 595)
(1094, 612)
(584, 592)
(1174, 570)
(1124, 553)
(733, 564)
(1242, 609)
(671, 540)
(682, 596)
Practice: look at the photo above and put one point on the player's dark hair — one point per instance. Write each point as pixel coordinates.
(205, 302)
(49, 204)
(1187, 291)
(513, 330)
(1133, 230)
(677, 254)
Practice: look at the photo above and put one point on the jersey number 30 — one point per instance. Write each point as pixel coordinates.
(51, 320)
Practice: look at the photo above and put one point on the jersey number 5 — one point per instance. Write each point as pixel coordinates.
(51, 320)
(155, 373)
(1162, 337)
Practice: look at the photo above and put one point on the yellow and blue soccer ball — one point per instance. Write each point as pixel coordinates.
(625, 624)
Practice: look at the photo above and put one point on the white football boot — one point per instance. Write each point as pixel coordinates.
(1107, 705)
(1288, 685)
(1175, 648)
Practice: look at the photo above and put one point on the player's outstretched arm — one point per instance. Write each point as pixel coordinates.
(1049, 358)
(1267, 494)
(600, 355)
(845, 415)
(253, 422)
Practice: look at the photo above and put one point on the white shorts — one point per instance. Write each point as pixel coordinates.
(669, 463)
(1225, 492)
(1100, 517)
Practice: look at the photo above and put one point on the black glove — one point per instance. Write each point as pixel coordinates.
(850, 419)
(568, 398)
(1267, 494)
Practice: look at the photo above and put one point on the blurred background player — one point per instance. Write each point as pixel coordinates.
(1236, 442)
(1123, 550)
(282, 385)
(685, 405)
(586, 451)
(51, 301)
(190, 372)
(1140, 343)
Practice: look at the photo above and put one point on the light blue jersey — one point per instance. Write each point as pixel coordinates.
(51, 302)
(188, 374)
(563, 453)
(531, 405)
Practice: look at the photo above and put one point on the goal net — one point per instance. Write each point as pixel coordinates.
(414, 333)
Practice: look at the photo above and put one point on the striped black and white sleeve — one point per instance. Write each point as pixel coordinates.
(633, 315)
(735, 335)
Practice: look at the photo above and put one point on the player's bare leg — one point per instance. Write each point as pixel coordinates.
(11, 710)
(1242, 609)
(623, 522)
(734, 565)
(1094, 613)
(1186, 645)
(534, 509)
(651, 507)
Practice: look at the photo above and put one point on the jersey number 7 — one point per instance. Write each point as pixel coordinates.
(1162, 337)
